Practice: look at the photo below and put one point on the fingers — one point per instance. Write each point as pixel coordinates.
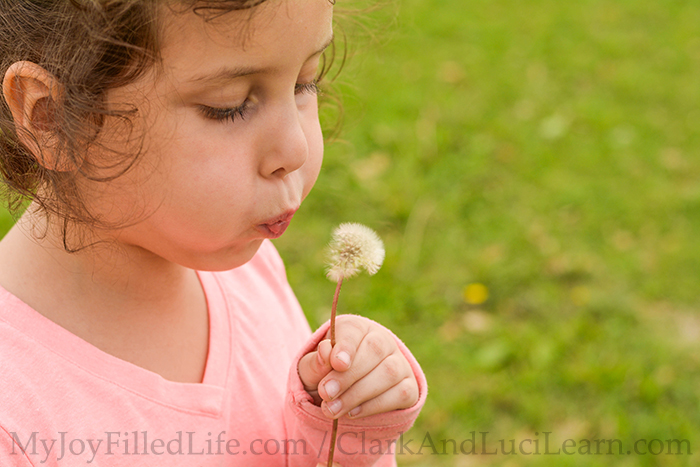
(374, 347)
(356, 336)
(349, 333)
(401, 396)
(391, 385)
(364, 374)
(315, 365)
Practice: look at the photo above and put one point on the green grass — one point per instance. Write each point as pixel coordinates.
(548, 150)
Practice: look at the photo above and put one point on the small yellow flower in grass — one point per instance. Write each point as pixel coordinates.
(354, 247)
(476, 293)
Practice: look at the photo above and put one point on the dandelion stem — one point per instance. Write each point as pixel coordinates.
(333, 310)
(334, 433)
(332, 448)
(353, 247)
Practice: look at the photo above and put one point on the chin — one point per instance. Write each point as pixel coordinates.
(223, 259)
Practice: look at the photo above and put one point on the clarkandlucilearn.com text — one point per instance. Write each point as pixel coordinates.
(349, 443)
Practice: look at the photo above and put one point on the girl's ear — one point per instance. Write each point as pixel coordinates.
(32, 94)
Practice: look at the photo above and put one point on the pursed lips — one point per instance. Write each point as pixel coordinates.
(276, 226)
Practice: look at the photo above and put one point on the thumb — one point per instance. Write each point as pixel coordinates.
(315, 365)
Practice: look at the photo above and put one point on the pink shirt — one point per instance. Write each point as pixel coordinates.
(65, 402)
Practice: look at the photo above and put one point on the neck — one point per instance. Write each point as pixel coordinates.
(105, 279)
(123, 300)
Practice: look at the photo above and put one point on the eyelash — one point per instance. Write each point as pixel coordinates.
(307, 88)
(235, 113)
(222, 115)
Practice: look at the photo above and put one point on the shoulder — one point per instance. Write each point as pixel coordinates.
(260, 286)
(268, 258)
(259, 301)
(265, 270)
(26, 367)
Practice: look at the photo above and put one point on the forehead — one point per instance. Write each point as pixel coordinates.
(275, 34)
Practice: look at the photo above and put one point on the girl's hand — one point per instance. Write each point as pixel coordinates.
(364, 374)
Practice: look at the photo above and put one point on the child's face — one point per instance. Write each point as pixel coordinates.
(232, 141)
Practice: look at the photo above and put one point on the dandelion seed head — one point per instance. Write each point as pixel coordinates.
(354, 247)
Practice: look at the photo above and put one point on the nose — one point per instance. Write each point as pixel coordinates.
(285, 147)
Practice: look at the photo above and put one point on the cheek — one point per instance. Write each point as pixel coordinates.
(117, 169)
(203, 154)
(315, 142)
(210, 174)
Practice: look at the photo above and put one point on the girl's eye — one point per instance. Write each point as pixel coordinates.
(234, 113)
(222, 115)
(307, 88)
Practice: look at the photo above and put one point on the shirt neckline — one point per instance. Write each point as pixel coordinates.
(205, 397)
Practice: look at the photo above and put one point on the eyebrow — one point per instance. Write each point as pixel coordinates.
(229, 74)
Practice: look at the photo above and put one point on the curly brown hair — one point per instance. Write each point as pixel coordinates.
(90, 46)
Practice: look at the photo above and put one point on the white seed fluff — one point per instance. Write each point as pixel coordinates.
(354, 247)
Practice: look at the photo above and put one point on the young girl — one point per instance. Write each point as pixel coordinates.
(145, 317)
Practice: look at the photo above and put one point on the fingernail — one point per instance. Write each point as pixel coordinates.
(335, 406)
(355, 411)
(343, 357)
(332, 388)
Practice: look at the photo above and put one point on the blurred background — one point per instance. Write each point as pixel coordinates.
(533, 170)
